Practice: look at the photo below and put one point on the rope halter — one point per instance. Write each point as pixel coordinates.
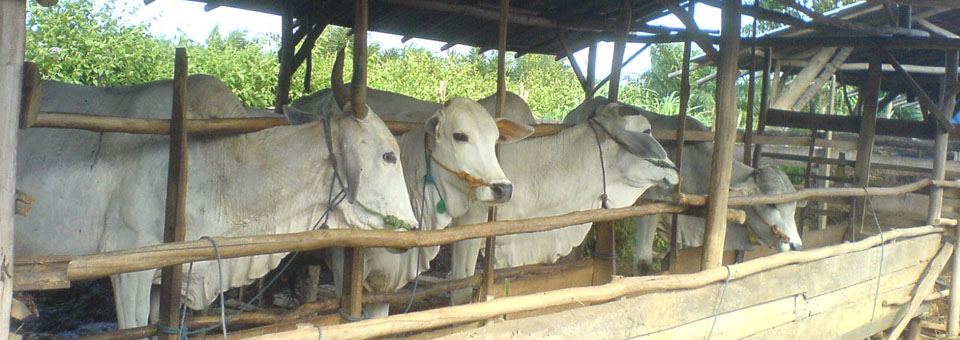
(474, 181)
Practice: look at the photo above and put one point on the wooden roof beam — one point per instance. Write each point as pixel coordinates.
(925, 101)
(923, 3)
(896, 42)
(937, 29)
(851, 25)
(692, 28)
(492, 14)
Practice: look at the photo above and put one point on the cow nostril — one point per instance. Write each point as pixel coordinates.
(502, 191)
(796, 246)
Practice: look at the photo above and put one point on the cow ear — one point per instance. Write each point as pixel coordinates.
(349, 167)
(297, 116)
(748, 187)
(511, 131)
(432, 124)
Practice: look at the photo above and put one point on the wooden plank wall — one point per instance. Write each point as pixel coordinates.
(835, 297)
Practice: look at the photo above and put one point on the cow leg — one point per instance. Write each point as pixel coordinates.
(464, 264)
(131, 292)
(377, 310)
(646, 230)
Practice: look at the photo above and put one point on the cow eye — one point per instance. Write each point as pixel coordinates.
(390, 157)
(460, 137)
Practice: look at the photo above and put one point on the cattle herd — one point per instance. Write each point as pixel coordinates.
(98, 192)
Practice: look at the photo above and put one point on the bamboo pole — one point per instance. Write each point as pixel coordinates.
(868, 126)
(175, 218)
(726, 126)
(12, 37)
(584, 295)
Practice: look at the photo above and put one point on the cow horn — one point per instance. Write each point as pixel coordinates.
(336, 81)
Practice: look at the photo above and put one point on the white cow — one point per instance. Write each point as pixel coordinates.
(457, 137)
(99, 192)
(771, 224)
(558, 174)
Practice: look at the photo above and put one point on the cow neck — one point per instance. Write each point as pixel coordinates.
(604, 199)
(424, 195)
(474, 181)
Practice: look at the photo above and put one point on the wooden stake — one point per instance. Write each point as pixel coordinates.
(868, 127)
(924, 288)
(12, 37)
(726, 126)
(175, 220)
(626, 15)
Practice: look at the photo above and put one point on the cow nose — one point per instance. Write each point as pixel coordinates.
(796, 246)
(502, 191)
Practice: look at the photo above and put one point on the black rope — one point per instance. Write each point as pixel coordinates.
(603, 168)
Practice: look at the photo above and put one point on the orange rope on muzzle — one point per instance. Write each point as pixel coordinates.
(474, 181)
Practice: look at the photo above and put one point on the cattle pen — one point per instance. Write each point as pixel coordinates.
(877, 282)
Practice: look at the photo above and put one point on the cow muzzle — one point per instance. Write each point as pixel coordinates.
(495, 193)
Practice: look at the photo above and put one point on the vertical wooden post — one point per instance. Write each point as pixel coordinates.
(868, 125)
(605, 258)
(726, 133)
(947, 107)
(12, 41)
(591, 70)
(491, 247)
(675, 242)
(828, 152)
(287, 45)
(618, 49)
(175, 219)
(352, 300)
(751, 90)
(358, 87)
(765, 94)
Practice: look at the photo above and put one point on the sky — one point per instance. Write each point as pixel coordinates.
(172, 16)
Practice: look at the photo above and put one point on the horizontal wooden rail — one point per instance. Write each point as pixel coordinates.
(157, 256)
(307, 311)
(630, 286)
(740, 200)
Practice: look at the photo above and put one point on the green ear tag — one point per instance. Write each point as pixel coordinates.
(441, 207)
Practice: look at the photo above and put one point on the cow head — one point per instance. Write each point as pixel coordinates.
(773, 224)
(461, 137)
(367, 163)
(642, 162)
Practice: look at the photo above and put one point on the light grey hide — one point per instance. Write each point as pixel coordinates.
(99, 192)
(762, 220)
(385, 271)
(558, 174)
